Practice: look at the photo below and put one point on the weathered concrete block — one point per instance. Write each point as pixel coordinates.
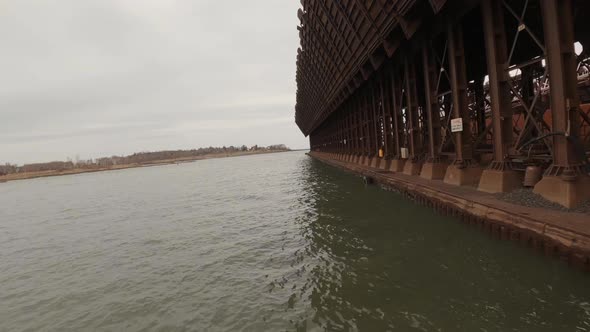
(374, 162)
(385, 164)
(567, 193)
(397, 165)
(366, 161)
(412, 167)
(433, 170)
(468, 176)
(494, 181)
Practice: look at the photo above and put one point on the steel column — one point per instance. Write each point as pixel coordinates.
(561, 60)
(566, 181)
(412, 107)
(386, 119)
(499, 177)
(396, 112)
(431, 104)
(463, 149)
(376, 140)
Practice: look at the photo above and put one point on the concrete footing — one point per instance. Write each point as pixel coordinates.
(495, 181)
(569, 193)
(367, 161)
(463, 176)
(412, 167)
(374, 162)
(397, 165)
(385, 164)
(433, 170)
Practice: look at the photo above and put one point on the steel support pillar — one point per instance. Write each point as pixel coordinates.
(366, 129)
(350, 132)
(499, 176)
(349, 138)
(463, 170)
(374, 121)
(434, 168)
(397, 163)
(386, 160)
(358, 126)
(413, 165)
(566, 182)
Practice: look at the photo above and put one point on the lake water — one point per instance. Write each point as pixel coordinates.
(261, 243)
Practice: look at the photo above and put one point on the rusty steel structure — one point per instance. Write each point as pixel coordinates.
(471, 92)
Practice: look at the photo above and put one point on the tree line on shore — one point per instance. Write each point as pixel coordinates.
(136, 158)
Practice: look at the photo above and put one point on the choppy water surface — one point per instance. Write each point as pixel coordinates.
(261, 243)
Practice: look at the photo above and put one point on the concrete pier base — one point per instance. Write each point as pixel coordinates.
(385, 164)
(463, 176)
(367, 161)
(413, 167)
(397, 165)
(375, 161)
(434, 170)
(567, 192)
(494, 181)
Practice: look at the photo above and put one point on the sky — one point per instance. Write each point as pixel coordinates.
(97, 78)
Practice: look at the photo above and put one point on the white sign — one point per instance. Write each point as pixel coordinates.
(456, 125)
(405, 153)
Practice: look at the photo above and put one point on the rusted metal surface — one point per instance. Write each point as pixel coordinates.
(477, 84)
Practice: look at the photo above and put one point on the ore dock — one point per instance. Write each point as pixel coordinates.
(477, 108)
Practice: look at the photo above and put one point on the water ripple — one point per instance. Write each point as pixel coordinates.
(260, 243)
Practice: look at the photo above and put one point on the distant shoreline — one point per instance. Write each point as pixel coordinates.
(44, 174)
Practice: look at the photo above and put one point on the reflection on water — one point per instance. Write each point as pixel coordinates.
(382, 263)
(262, 243)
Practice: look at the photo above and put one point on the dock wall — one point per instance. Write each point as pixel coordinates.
(564, 235)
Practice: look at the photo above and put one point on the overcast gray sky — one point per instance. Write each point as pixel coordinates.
(101, 77)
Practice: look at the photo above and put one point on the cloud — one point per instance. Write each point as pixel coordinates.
(102, 77)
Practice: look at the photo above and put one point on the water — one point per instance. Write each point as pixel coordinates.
(261, 243)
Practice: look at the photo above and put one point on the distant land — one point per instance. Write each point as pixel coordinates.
(10, 172)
